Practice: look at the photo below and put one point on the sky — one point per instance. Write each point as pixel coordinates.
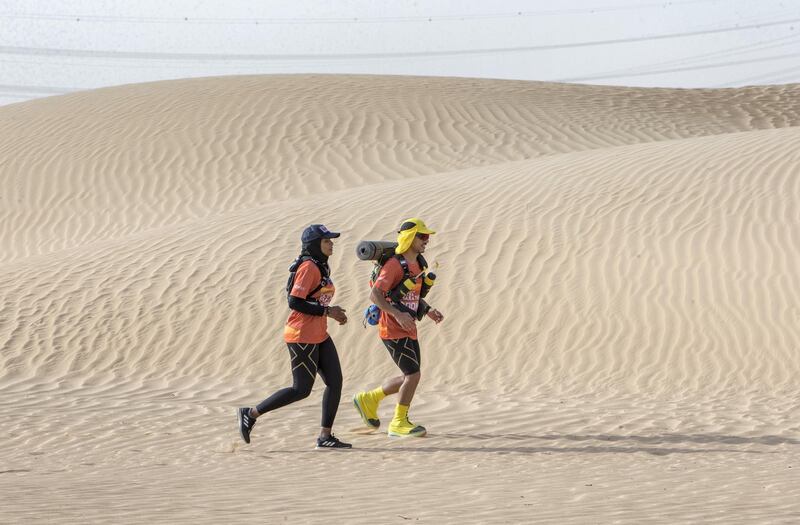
(56, 46)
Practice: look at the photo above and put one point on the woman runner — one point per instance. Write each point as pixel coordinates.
(311, 349)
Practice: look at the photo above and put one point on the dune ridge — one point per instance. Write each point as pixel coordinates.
(617, 267)
(111, 162)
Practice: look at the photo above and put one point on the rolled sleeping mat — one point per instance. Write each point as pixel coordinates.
(375, 250)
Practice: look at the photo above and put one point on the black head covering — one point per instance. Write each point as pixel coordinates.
(312, 245)
(313, 249)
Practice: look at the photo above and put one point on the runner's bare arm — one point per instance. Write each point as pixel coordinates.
(404, 319)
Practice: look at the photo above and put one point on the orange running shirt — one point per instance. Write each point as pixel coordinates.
(304, 328)
(390, 276)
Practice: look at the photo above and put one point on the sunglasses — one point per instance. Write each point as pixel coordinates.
(423, 236)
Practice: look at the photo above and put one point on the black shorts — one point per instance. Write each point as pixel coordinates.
(405, 353)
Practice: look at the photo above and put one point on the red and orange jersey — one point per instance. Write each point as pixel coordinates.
(391, 275)
(304, 328)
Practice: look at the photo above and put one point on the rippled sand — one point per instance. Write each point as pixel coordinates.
(618, 268)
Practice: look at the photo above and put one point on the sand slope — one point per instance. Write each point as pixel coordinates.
(618, 268)
(108, 163)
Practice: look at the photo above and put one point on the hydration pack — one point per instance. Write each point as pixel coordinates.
(381, 252)
(409, 281)
(293, 273)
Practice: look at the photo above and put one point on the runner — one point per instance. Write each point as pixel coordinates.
(310, 291)
(397, 292)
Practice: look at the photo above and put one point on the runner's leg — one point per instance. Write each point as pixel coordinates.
(330, 370)
(305, 360)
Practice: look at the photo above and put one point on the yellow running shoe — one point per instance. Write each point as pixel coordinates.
(405, 428)
(367, 408)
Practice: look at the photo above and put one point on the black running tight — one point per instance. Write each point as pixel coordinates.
(308, 360)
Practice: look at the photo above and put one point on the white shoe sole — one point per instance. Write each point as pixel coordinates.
(416, 435)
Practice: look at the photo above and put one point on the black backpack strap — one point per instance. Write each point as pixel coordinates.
(403, 264)
(315, 290)
(293, 273)
(423, 307)
(394, 293)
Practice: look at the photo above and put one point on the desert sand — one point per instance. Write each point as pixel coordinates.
(618, 268)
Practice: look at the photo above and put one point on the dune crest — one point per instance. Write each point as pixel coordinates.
(618, 268)
(112, 162)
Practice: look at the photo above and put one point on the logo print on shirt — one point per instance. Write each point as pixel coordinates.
(411, 299)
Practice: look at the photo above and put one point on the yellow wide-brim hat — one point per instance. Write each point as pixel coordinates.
(408, 230)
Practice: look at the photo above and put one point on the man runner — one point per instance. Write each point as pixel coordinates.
(398, 330)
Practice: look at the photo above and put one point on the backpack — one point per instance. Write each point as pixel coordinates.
(293, 273)
(381, 252)
(423, 264)
(372, 313)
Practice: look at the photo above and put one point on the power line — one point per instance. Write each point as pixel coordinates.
(687, 68)
(16, 95)
(642, 70)
(146, 55)
(37, 89)
(732, 51)
(339, 20)
(782, 75)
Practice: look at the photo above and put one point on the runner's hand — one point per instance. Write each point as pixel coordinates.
(338, 314)
(436, 315)
(405, 320)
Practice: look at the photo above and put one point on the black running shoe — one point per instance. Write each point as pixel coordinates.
(246, 423)
(331, 443)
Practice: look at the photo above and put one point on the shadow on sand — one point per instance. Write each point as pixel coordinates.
(612, 444)
(658, 439)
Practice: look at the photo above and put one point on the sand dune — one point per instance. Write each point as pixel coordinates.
(112, 162)
(618, 268)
